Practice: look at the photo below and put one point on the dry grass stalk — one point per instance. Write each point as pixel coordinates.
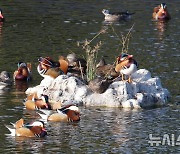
(125, 39)
(91, 56)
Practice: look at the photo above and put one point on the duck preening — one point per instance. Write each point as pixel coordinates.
(33, 129)
(116, 16)
(37, 103)
(33, 102)
(161, 12)
(69, 113)
(2, 19)
(47, 66)
(23, 72)
(126, 65)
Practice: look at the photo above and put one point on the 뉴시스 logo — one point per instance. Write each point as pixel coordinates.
(166, 139)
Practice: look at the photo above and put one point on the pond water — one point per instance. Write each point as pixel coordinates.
(52, 28)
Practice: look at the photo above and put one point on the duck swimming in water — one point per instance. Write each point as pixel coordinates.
(2, 19)
(126, 65)
(4, 79)
(116, 16)
(33, 129)
(33, 102)
(161, 13)
(36, 103)
(23, 72)
(68, 113)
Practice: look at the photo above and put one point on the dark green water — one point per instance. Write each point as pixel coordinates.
(35, 28)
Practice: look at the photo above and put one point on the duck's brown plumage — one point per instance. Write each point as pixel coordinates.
(161, 12)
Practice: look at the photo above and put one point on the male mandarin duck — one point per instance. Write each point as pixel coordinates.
(116, 16)
(2, 19)
(32, 102)
(36, 103)
(23, 72)
(126, 65)
(49, 67)
(33, 129)
(68, 113)
(161, 13)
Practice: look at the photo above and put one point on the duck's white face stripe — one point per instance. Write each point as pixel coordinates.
(163, 6)
(37, 123)
(74, 108)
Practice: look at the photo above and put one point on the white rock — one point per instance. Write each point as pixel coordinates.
(143, 92)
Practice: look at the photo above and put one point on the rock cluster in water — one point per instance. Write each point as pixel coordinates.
(143, 92)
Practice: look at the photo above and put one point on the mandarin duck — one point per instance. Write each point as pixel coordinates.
(23, 72)
(33, 102)
(49, 67)
(116, 16)
(37, 103)
(161, 13)
(33, 129)
(106, 70)
(5, 79)
(126, 65)
(69, 113)
(77, 66)
(2, 19)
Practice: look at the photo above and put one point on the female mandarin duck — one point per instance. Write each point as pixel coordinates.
(68, 113)
(161, 13)
(49, 67)
(2, 19)
(23, 72)
(4, 79)
(116, 16)
(77, 66)
(34, 129)
(126, 65)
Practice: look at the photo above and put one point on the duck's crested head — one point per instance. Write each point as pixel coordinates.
(105, 12)
(48, 62)
(73, 108)
(163, 5)
(5, 75)
(124, 56)
(36, 123)
(21, 64)
(1, 16)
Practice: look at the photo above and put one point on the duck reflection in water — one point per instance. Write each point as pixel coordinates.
(161, 27)
(21, 85)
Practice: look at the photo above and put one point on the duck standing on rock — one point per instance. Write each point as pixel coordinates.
(77, 66)
(105, 74)
(47, 66)
(23, 72)
(116, 16)
(126, 65)
(161, 13)
(34, 129)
